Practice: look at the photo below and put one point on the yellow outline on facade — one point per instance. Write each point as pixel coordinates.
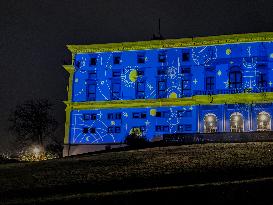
(245, 98)
(172, 43)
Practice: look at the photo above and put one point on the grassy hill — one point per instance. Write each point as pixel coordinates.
(221, 171)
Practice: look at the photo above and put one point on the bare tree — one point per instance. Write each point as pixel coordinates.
(33, 121)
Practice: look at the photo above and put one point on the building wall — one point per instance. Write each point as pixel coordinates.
(186, 72)
(251, 59)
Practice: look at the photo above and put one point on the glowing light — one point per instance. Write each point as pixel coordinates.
(210, 118)
(173, 95)
(236, 118)
(228, 51)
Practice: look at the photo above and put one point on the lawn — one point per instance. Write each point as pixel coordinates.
(165, 170)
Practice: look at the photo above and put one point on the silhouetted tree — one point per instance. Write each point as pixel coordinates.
(33, 121)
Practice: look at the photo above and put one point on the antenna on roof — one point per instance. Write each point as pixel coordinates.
(159, 36)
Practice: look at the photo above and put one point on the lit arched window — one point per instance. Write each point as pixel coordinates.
(263, 121)
(210, 123)
(236, 122)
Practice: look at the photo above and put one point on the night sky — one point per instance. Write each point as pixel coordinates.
(33, 35)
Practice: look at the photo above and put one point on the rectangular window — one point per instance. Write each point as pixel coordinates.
(186, 70)
(93, 116)
(110, 116)
(140, 58)
(140, 90)
(118, 116)
(86, 117)
(161, 89)
(111, 129)
(210, 83)
(184, 113)
(93, 61)
(162, 71)
(92, 74)
(162, 57)
(164, 114)
(92, 130)
(85, 130)
(115, 90)
(116, 73)
(235, 79)
(117, 60)
(141, 115)
(188, 127)
(140, 72)
(262, 80)
(180, 128)
(117, 129)
(91, 91)
(162, 128)
(186, 56)
(77, 64)
(186, 86)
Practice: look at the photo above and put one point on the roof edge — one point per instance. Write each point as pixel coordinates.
(171, 43)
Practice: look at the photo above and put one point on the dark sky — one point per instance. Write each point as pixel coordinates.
(33, 35)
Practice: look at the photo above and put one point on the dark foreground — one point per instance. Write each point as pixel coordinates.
(208, 173)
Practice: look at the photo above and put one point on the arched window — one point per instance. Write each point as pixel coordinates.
(235, 78)
(236, 122)
(263, 121)
(210, 123)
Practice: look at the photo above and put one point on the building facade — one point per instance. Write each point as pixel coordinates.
(204, 84)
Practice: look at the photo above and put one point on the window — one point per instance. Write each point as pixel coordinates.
(235, 79)
(162, 128)
(184, 127)
(164, 114)
(263, 121)
(116, 73)
(91, 91)
(162, 57)
(161, 89)
(86, 117)
(162, 71)
(114, 116)
(93, 117)
(141, 115)
(92, 130)
(77, 64)
(118, 116)
(111, 129)
(93, 61)
(186, 56)
(210, 123)
(117, 129)
(262, 80)
(184, 113)
(210, 83)
(110, 116)
(92, 74)
(115, 90)
(116, 60)
(85, 130)
(140, 72)
(114, 129)
(140, 90)
(186, 70)
(186, 86)
(141, 58)
(236, 122)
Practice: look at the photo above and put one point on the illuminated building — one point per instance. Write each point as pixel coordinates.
(204, 84)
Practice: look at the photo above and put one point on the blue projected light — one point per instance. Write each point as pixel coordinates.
(170, 73)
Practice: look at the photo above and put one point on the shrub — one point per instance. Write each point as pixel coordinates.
(135, 140)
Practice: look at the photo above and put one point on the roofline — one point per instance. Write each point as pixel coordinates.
(172, 43)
